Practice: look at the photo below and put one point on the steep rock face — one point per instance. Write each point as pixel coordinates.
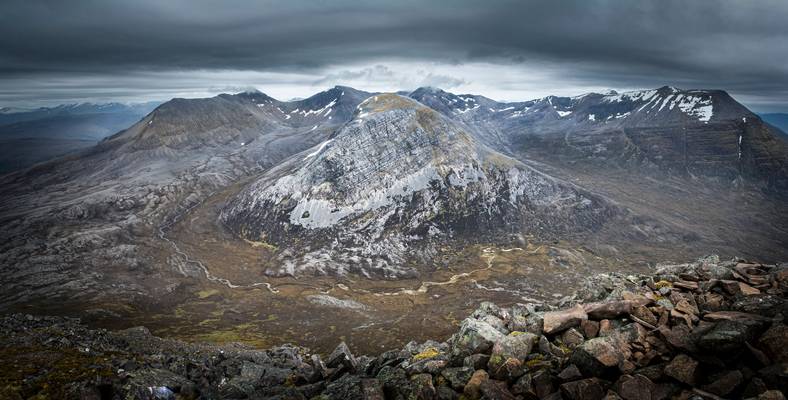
(394, 183)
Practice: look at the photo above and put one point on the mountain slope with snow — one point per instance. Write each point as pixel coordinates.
(394, 184)
(685, 132)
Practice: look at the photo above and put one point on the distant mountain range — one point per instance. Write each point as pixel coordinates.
(31, 136)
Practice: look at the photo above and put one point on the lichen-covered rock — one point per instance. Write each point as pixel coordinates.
(421, 387)
(727, 336)
(341, 356)
(775, 342)
(492, 389)
(475, 336)
(585, 389)
(682, 368)
(634, 387)
(597, 356)
(557, 321)
(472, 389)
(457, 377)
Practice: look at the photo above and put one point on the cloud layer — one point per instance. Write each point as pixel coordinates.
(147, 48)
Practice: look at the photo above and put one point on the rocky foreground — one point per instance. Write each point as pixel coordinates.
(703, 330)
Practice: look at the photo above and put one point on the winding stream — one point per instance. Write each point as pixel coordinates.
(488, 253)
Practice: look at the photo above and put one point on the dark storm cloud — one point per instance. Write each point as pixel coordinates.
(741, 46)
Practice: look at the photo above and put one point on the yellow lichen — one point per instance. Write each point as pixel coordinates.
(516, 333)
(663, 283)
(427, 353)
(534, 362)
(261, 243)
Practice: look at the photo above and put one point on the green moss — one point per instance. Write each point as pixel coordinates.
(203, 294)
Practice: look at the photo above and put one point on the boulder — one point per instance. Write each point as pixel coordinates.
(548, 348)
(472, 390)
(445, 393)
(683, 369)
(421, 387)
(341, 356)
(724, 383)
(766, 305)
(775, 376)
(570, 373)
(394, 381)
(572, 337)
(589, 328)
(543, 383)
(717, 316)
(429, 365)
(644, 314)
(509, 353)
(517, 345)
(525, 387)
(755, 387)
(372, 389)
(637, 387)
(679, 337)
(608, 310)
(476, 361)
(457, 377)
(652, 372)
(507, 369)
(727, 336)
(475, 336)
(348, 386)
(498, 390)
(584, 389)
(597, 356)
(771, 395)
(775, 342)
(557, 321)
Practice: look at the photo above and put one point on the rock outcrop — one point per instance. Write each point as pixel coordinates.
(702, 330)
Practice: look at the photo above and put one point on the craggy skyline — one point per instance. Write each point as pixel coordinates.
(55, 52)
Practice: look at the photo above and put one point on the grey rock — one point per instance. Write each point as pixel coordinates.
(584, 389)
(457, 377)
(597, 356)
(341, 356)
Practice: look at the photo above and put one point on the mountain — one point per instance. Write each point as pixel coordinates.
(109, 202)
(387, 213)
(32, 136)
(688, 132)
(392, 185)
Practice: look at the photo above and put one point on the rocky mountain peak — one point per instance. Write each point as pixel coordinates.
(399, 176)
(255, 96)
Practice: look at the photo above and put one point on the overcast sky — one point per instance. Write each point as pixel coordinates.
(69, 51)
